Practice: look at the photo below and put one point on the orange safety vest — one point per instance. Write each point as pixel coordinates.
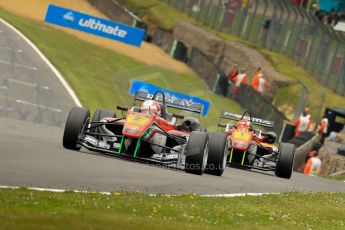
(322, 128)
(233, 74)
(255, 81)
(313, 166)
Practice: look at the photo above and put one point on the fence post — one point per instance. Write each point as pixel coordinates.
(331, 63)
(208, 12)
(200, 9)
(285, 29)
(216, 83)
(297, 38)
(262, 22)
(252, 21)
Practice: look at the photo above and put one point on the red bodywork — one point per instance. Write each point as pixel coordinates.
(136, 124)
(242, 135)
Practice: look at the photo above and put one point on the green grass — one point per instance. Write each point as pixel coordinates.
(340, 177)
(101, 77)
(159, 13)
(27, 209)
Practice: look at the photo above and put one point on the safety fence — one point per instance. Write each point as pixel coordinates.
(280, 27)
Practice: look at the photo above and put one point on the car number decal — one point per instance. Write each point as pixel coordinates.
(241, 135)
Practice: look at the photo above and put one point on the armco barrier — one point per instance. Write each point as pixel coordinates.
(302, 152)
(164, 39)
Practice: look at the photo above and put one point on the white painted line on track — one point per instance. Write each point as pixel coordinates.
(5, 108)
(3, 87)
(11, 49)
(39, 106)
(32, 104)
(27, 83)
(51, 189)
(109, 193)
(18, 65)
(55, 71)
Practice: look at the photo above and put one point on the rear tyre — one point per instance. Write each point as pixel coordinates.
(217, 153)
(99, 115)
(76, 120)
(286, 156)
(197, 152)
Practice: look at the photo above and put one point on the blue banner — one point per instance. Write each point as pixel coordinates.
(172, 99)
(94, 25)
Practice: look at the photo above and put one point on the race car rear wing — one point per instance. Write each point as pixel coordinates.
(255, 120)
(143, 91)
(172, 102)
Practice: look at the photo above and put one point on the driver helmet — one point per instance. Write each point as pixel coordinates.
(151, 107)
(243, 124)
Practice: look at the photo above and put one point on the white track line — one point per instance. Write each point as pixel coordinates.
(32, 104)
(39, 106)
(5, 108)
(109, 193)
(27, 83)
(50, 65)
(11, 49)
(4, 87)
(19, 65)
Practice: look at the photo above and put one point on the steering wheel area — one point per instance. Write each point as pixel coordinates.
(155, 96)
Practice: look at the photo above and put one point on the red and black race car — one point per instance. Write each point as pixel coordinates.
(253, 148)
(150, 134)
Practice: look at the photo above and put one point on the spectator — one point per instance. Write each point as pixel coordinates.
(255, 80)
(262, 85)
(322, 129)
(313, 164)
(233, 74)
(303, 122)
(240, 79)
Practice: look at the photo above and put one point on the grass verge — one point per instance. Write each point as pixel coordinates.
(164, 15)
(100, 77)
(27, 209)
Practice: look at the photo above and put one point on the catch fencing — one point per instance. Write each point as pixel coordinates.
(279, 26)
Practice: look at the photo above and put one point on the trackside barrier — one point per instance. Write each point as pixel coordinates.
(302, 152)
(216, 80)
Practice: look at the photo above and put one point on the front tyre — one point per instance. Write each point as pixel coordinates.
(217, 153)
(284, 164)
(197, 152)
(76, 120)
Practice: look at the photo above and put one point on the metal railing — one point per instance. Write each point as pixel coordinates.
(280, 27)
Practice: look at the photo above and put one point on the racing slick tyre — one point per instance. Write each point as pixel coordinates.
(217, 153)
(99, 115)
(284, 164)
(74, 125)
(197, 152)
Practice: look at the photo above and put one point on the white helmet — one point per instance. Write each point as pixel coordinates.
(151, 107)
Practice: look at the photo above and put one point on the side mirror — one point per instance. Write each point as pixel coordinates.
(178, 116)
(122, 107)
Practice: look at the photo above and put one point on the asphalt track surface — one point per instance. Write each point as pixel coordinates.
(33, 108)
(29, 90)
